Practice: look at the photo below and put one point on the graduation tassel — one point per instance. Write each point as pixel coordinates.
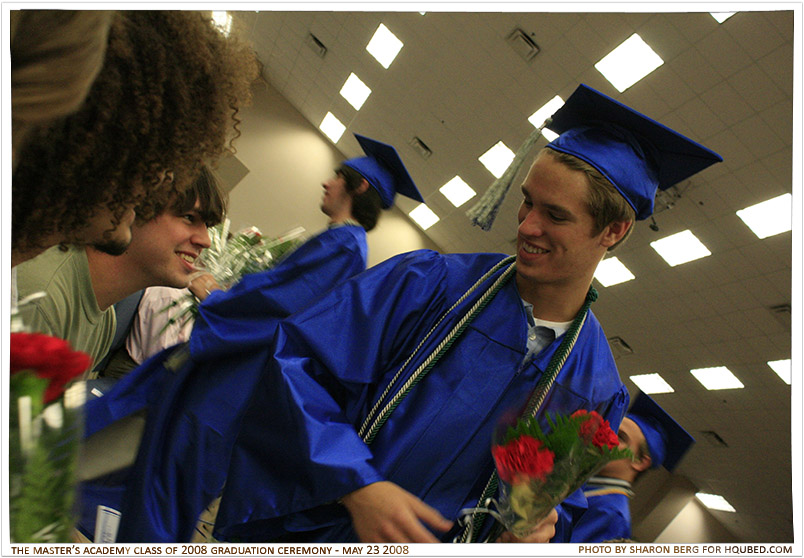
(485, 210)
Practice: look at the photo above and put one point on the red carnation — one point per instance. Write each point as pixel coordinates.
(523, 459)
(605, 436)
(49, 358)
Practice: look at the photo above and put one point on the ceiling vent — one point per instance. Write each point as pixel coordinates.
(523, 44)
(782, 313)
(316, 46)
(713, 438)
(420, 147)
(619, 347)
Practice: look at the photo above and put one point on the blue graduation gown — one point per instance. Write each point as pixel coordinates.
(194, 410)
(607, 517)
(298, 450)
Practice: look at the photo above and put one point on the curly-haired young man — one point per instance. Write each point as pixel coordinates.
(83, 283)
(165, 102)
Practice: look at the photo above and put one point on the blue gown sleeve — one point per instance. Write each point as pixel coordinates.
(194, 410)
(235, 320)
(298, 447)
(605, 520)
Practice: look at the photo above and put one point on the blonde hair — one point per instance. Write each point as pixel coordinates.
(606, 204)
(55, 57)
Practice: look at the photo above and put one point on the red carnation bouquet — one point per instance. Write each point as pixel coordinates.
(45, 424)
(538, 470)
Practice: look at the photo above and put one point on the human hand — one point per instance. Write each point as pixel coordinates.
(203, 283)
(542, 533)
(384, 512)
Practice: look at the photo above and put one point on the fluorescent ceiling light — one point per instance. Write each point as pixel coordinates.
(549, 134)
(611, 271)
(355, 91)
(629, 63)
(332, 127)
(384, 46)
(680, 248)
(424, 217)
(497, 159)
(770, 217)
(549, 108)
(223, 21)
(457, 191)
(718, 377)
(720, 17)
(714, 502)
(652, 383)
(782, 368)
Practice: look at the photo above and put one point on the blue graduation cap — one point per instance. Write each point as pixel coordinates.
(635, 153)
(667, 440)
(384, 171)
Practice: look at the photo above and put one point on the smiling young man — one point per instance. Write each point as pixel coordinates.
(393, 382)
(83, 283)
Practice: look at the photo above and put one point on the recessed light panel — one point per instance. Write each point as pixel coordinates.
(332, 127)
(651, 383)
(629, 63)
(457, 191)
(223, 21)
(680, 248)
(770, 217)
(714, 502)
(497, 159)
(716, 378)
(611, 271)
(424, 217)
(720, 17)
(355, 91)
(548, 110)
(384, 46)
(782, 368)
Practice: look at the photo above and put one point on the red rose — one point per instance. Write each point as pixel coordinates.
(595, 430)
(48, 357)
(522, 459)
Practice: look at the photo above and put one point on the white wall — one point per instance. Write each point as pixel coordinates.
(694, 524)
(288, 159)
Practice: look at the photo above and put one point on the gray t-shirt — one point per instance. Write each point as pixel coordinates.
(70, 310)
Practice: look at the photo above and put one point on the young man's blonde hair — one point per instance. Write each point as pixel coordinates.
(606, 204)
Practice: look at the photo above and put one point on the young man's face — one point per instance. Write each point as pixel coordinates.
(336, 201)
(631, 437)
(556, 243)
(166, 248)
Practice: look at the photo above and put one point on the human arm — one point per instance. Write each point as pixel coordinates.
(325, 366)
(236, 318)
(384, 512)
(203, 284)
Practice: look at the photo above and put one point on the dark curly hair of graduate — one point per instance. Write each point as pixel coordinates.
(166, 102)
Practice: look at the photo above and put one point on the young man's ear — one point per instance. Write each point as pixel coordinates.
(364, 186)
(643, 463)
(614, 232)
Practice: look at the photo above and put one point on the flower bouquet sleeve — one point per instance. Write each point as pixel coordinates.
(537, 470)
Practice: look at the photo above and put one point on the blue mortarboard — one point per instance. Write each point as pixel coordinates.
(384, 170)
(637, 154)
(667, 440)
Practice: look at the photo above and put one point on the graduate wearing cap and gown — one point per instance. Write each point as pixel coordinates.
(326, 433)
(655, 439)
(196, 393)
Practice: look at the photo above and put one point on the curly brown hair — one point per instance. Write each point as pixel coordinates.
(165, 103)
